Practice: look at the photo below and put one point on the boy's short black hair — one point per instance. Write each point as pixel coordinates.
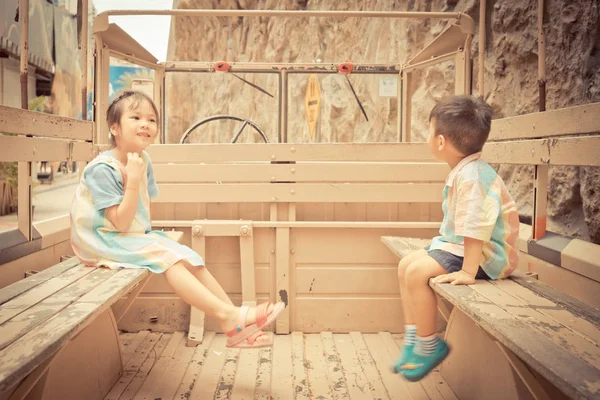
(464, 120)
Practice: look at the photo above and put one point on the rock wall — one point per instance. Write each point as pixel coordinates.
(511, 82)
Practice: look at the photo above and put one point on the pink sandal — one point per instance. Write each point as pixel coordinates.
(253, 331)
(252, 341)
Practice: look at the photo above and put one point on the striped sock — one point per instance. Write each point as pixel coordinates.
(426, 345)
(410, 334)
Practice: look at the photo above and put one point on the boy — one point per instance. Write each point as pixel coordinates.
(478, 234)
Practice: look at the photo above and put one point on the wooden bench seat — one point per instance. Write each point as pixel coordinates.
(45, 314)
(541, 332)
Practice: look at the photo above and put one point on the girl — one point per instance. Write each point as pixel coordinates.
(110, 224)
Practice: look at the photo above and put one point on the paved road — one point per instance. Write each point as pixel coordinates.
(51, 200)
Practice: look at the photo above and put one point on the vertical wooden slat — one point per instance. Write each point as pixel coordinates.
(460, 75)
(82, 16)
(102, 68)
(540, 200)
(399, 108)
(24, 216)
(159, 74)
(282, 277)
(247, 268)
(482, 43)
(24, 48)
(406, 106)
(196, 330)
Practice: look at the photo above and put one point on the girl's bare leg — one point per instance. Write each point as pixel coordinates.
(192, 291)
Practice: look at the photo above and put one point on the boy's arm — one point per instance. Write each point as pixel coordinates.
(473, 252)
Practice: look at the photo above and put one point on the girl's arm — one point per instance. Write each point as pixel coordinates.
(122, 215)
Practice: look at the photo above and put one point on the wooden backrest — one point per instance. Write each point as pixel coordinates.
(297, 173)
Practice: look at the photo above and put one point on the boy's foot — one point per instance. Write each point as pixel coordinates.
(407, 353)
(418, 366)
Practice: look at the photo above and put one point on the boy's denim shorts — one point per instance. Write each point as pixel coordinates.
(451, 262)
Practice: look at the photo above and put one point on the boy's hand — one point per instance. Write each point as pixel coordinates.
(455, 278)
(134, 168)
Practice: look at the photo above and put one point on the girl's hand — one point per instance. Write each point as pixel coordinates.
(134, 169)
(455, 278)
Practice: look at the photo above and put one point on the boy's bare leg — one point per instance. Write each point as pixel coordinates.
(405, 295)
(422, 298)
(193, 292)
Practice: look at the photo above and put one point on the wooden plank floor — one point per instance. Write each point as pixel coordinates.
(298, 366)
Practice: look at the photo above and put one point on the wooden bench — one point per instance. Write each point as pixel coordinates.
(516, 325)
(58, 332)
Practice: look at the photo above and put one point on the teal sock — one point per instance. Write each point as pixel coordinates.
(426, 345)
(410, 335)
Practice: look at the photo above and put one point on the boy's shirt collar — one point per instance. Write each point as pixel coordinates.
(452, 175)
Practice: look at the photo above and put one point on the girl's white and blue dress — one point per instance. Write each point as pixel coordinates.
(96, 241)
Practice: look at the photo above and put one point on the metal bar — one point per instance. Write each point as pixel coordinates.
(468, 70)
(131, 59)
(481, 77)
(291, 68)
(541, 56)
(357, 99)
(288, 13)
(431, 61)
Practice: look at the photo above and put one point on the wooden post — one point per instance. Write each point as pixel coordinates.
(82, 19)
(406, 106)
(481, 77)
(24, 214)
(540, 190)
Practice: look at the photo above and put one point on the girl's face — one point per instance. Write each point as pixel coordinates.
(137, 127)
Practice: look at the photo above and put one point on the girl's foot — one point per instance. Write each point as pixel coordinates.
(247, 322)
